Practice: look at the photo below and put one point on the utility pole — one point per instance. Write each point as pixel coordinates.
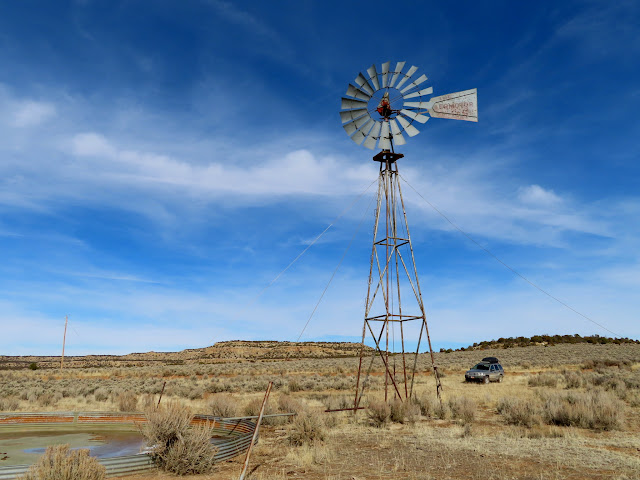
(64, 338)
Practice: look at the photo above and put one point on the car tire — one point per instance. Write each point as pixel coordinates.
(485, 379)
(500, 378)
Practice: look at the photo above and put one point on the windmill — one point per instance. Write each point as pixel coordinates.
(380, 107)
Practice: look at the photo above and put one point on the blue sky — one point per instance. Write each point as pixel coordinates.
(162, 162)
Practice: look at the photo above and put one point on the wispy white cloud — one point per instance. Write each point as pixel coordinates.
(535, 195)
(31, 113)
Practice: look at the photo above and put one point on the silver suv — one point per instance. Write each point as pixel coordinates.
(488, 370)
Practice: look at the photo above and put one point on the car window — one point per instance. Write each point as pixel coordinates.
(493, 368)
(481, 366)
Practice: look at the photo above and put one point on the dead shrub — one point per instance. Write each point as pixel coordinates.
(294, 386)
(463, 408)
(127, 401)
(598, 410)
(338, 402)
(306, 429)
(397, 411)
(46, 399)
(543, 380)
(288, 404)
(516, 411)
(378, 414)
(61, 463)
(573, 379)
(223, 405)
(440, 409)
(176, 447)
(9, 404)
(101, 395)
(252, 409)
(425, 404)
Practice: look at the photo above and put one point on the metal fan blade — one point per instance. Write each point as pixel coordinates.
(456, 106)
(357, 93)
(395, 130)
(384, 131)
(415, 116)
(384, 144)
(374, 134)
(385, 138)
(385, 74)
(410, 129)
(421, 79)
(373, 76)
(425, 91)
(350, 103)
(422, 105)
(351, 127)
(398, 139)
(349, 115)
(362, 82)
(397, 71)
(407, 76)
(361, 134)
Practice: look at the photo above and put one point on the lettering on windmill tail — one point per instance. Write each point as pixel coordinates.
(466, 109)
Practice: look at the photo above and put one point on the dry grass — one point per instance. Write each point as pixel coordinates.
(61, 463)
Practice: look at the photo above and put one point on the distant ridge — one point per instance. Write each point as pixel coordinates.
(512, 342)
(221, 352)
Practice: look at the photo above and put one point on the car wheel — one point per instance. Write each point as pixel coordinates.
(486, 379)
(500, 378)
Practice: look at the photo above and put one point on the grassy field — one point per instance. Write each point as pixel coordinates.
(563, 411)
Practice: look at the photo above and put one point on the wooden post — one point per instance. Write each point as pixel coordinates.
(255, 432)
(161, 392)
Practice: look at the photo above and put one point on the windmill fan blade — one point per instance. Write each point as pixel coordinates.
(415, 116)
(398, 139)
(357, 93)
(385, 74)
(407, 76)
(456, 106)
(384, 131)
(410, 129)
(421, 79)
(374, 134)
(361, 134)
(351, 127)
(397, 71)
(384, 144)
(421, 105)
(352, 114)
(362, 82)
(373, 75)
(395, 130)
(425, 91)
(350, 103)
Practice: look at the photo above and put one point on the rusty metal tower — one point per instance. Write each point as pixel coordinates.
(378, 109)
